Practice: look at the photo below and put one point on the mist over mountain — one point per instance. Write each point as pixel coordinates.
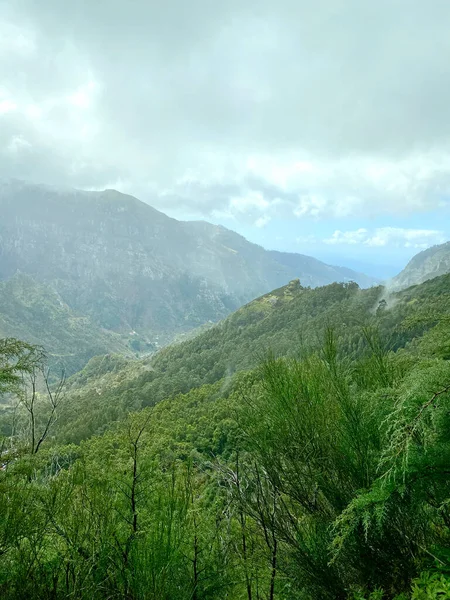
(133, 270)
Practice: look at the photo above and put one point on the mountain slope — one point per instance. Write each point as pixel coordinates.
(316, 273)
(288, 321)
(430, 263)
(35, 313)
(129, 267)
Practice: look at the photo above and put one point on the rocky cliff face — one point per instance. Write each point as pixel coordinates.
(430, 263)
(129, 267)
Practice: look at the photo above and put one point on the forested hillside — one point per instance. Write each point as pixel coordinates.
(289, 321)
(298, 450)
(36, 313)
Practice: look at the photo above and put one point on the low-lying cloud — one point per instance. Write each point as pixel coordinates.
(388, 236)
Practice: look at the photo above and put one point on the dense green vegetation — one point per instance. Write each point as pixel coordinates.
(287, 322)
(298, 450)
(34, 312)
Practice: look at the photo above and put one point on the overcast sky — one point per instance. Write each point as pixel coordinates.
(319, 127)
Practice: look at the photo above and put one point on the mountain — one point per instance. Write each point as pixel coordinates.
(133, 270)
(316, 273)
(430, 263)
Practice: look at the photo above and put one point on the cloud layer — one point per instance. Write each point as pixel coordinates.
(253, 109)
(388, 236)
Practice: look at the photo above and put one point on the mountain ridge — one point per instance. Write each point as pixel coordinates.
(429, 263)
(289, 321)
(130, 268)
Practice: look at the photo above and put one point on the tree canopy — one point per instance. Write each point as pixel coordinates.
(300, 450)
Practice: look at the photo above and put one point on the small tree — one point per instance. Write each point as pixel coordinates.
(41, 407)
(24, 375)
(17, 358)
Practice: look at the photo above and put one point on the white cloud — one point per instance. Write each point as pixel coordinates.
(306, 239)
(359, 186)
(7, 106)
(15, 40)
(33, 111)
(252, 200)
(18, 144)
(310, 205)
(84, 96)
(262, 221)
(328, 188)
(359, 236)
(389, 236)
